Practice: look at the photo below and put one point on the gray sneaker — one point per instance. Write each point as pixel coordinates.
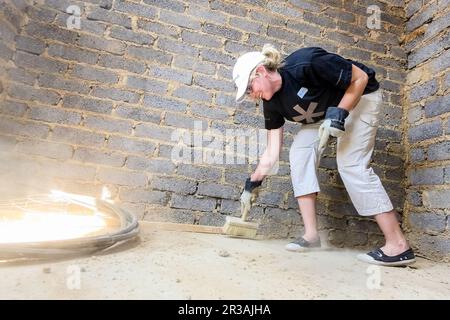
(300, 245)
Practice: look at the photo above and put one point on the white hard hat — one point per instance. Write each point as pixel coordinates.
(244, 66)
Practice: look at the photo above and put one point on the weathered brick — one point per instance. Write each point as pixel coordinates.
(100, 123)
(222, 31)
(94, 74)
(122, 177)
(436, 198)
(284, 10)
(180, 20)
(440, 62)
(230, 8)
(177, 185)
(415, 114)
(146, 84)
(438, 106)
(77, 136)
(23, 128)
(214, 84)
(246, 25)
(437, 25)
(72, 53)
(205, 14)
(201, 110)
(90, 155)
(422, 17)
(48, 31)
(192, 93)
(202, 39)
(280, 33)
(425, 131)
(173, 5)
(13, 108)
(54, 115)
(26, 60)
(412, 7)
(417, 155)
(47, 149)
(171, 74)
(131, 36)
(30, 45)
(439, 151)
(150, 54)
(6, 32)
(423, 91)
(22, 76)
(138, 114)
(424, 53)
(137, 9)
(199, 172)
(115, 94)
(447, 175)
(193, 203)
(101, 44)
(115, 62)
(177, 47)
(143, 196)
(159, 28)
(426, 176)
(164, 103)
(427, 221)
(89, 26)
(182, 121)
(271, 198)
(33, 94)
(237, 47)
(388, 134)
(230, 206)
(153, 131)
(83, 103)
(150, 164)
(211, 219)
(131, 145)
(50, 81)
(218, 191)
(112, 17)
(414, 198)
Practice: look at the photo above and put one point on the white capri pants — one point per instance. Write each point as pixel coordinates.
(353, 154)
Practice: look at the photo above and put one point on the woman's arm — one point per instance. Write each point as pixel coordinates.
(270, 155)
(355, 90)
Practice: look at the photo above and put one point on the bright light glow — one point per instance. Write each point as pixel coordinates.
(61, 216)
(45, 226)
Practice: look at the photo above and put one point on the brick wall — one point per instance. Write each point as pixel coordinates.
(97, 106)
(427, 109)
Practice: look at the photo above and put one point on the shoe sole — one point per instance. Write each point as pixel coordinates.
(302, 249)
(369, 259)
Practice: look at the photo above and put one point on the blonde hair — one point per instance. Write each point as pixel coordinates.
(273, 59)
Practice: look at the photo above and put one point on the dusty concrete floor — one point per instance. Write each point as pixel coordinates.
(182, 265)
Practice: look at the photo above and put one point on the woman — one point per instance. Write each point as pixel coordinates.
(328, 95)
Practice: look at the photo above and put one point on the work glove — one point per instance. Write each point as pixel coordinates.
(246, 196)
(332, 126)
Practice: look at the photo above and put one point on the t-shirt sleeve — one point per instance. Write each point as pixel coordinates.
(331, 69)
(272, 119)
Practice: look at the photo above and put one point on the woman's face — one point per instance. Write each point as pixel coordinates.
(260, 86)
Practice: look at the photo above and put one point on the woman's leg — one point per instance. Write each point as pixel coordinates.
(395, 240)
(354, 152)
(303, 158)
(307, 204)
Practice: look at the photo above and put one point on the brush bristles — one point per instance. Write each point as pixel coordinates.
(237, 228)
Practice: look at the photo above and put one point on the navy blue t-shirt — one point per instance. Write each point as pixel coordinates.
(312, 80)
